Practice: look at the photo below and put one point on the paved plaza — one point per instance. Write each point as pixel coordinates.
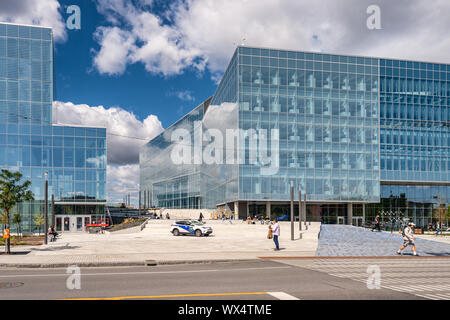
(343, 240)
(238, 240)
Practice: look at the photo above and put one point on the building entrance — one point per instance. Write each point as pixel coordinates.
(71, 223)
(327, 213)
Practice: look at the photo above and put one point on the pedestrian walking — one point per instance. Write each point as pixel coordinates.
(377, 224)
(275, 227)
(167, 216)
(438, 228)
(248, 220)
(408, 238)
(200, 218)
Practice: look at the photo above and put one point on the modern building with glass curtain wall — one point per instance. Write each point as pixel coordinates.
(360, 136)
(73, 156)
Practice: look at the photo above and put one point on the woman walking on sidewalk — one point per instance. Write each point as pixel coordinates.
(276, 233)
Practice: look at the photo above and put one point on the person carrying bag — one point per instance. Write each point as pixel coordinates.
(270, 234)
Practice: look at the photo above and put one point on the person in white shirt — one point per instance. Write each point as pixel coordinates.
(408, 238)
(276, 233)
(438, 228)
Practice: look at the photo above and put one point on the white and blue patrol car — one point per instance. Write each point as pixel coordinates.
(183, 227)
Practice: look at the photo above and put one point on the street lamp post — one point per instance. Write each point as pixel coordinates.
(139, 205)
(440, 210)
(53, 211)
(46, 209)
(292, 210)
(304, 210)
(440, 213)
(300, 207)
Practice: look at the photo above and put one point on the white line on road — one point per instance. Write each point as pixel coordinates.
(282, 296)
(137, 273)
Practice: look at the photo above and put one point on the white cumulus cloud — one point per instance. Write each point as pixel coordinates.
(43, 12)
(202, 34)
(123, 179)
(125, 135)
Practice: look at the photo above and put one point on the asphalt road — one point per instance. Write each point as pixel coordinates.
(259, 280)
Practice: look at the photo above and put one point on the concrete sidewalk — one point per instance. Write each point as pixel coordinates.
(229, 242)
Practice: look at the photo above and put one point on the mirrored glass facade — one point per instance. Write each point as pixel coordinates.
(326, 110)
(74, 157)
(349, 128)
(414, 121)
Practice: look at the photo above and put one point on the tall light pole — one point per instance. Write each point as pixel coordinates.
(304, 204)
(440, 213)
(46, 209)
(139, 205)
(53, 212)
(440, 209)
(292, 210)
(300, 207)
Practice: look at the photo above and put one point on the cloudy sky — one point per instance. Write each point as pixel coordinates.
(136, 66)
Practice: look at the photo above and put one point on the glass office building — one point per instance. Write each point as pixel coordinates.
(73, 157)
(359, 136)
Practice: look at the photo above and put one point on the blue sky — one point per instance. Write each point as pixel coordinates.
(136, 90)
(136, 66)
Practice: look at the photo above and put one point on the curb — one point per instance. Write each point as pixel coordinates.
(205, 261)
(202, 261)
(123, 264)
(355, 257)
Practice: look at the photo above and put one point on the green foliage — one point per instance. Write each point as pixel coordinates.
(17, 220)
(3, 218)
(12, 192)
(39, 220)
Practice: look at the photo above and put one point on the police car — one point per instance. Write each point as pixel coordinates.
(183, 227)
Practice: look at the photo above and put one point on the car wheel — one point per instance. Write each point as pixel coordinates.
(176, 232)
(198, 233)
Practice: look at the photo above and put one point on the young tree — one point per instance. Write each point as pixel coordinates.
(12, 192)
(17, 220)
(39, 220)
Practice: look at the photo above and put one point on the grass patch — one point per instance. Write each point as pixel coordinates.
(24, 240)
(128, 223)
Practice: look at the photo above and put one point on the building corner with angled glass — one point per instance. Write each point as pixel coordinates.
(359, 136)
(74, 157)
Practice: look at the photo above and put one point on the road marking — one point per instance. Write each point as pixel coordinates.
(282, 296)
(176, 296)
(144, 272)
(425, 278)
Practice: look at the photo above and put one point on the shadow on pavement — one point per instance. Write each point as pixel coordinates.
(56, 248)
(439, 254)
(15, 253)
